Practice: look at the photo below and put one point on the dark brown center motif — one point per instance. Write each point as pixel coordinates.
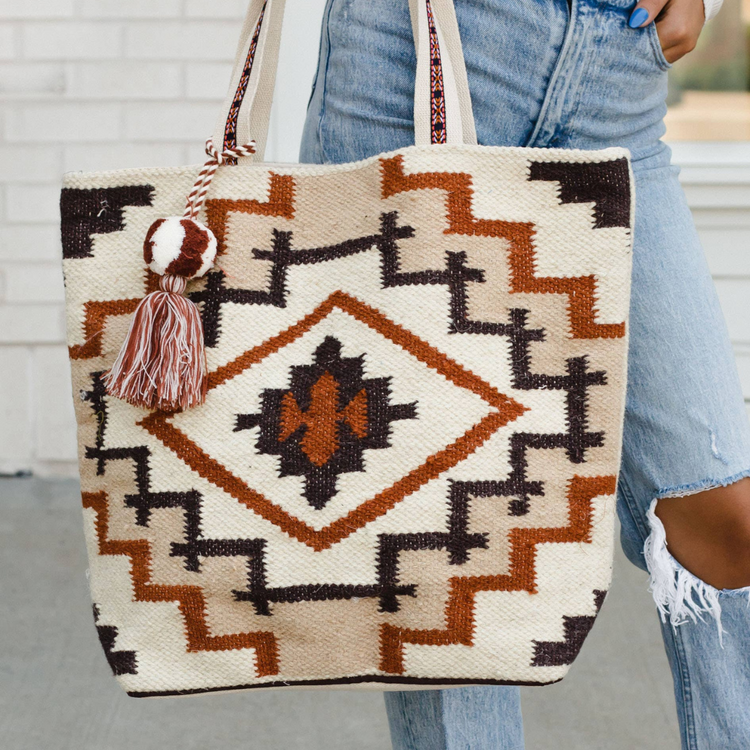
(322, 424)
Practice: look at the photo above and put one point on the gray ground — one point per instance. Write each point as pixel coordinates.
(56, 692)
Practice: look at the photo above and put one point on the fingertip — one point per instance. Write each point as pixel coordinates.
(638, 18)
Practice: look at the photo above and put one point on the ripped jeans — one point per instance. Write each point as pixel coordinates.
(545, 74)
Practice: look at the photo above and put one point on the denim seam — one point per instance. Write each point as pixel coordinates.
(441, 703)
(652, 172)
(688, 709)
(317, 67)
(574, 95)
(324, 82)
(633, 507)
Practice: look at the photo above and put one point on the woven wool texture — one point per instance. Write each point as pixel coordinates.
(405, 468)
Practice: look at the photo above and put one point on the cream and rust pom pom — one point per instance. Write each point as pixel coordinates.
(179, 247)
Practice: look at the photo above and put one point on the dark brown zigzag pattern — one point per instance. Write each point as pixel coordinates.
(560, 653)
(216, 294)
(605, 184)
(280, 203)
(581, 290)
(190, 599)
(84, 213)
(120, 662)
(459, 615)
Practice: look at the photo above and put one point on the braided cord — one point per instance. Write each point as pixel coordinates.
(197, 196)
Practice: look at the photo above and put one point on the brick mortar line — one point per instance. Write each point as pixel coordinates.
(11, 265)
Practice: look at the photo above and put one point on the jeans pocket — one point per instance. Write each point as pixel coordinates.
(653, 37)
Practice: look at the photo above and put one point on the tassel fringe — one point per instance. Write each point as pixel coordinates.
(162, 364)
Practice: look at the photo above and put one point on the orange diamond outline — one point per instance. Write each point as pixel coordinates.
(505, 410)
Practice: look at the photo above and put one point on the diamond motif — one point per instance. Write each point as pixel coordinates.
(488, 411)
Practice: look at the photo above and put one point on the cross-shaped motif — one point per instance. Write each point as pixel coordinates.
(321, 425)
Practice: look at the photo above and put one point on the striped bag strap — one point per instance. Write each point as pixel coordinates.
(442, 104)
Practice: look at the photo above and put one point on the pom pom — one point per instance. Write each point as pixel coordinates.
(180, 247)
(162, 364)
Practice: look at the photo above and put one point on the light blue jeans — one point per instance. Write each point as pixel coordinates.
(543, 74)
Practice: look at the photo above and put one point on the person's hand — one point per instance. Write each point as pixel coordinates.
(678, 23)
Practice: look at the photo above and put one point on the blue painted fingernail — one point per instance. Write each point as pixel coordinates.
(637, 18)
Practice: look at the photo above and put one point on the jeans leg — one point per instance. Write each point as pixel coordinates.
(686, 427)
(471, 718)
(712, 681)
(686, 430)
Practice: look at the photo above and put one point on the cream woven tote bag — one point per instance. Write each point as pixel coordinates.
(404, 471)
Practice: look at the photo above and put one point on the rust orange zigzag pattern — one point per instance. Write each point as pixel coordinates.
(459, 613)
(581, 290)
(281, 196)
(190, 599)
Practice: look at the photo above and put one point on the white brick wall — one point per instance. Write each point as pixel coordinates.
(90, 85)
(107, 84)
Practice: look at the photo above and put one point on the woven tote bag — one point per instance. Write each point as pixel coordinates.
(403, 472)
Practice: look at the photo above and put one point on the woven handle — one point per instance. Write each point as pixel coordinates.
(442, 104)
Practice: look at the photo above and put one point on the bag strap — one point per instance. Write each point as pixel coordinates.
(442, 103)
(247, 106)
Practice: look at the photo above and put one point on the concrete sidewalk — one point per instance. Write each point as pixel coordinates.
(56, 691)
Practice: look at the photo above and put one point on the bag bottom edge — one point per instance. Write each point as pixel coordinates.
(382, 682)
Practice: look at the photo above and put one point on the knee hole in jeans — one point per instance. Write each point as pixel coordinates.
(710, 538)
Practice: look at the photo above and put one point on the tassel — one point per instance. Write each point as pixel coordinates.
(162, 364)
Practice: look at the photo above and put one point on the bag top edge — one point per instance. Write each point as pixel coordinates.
(72, 179)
